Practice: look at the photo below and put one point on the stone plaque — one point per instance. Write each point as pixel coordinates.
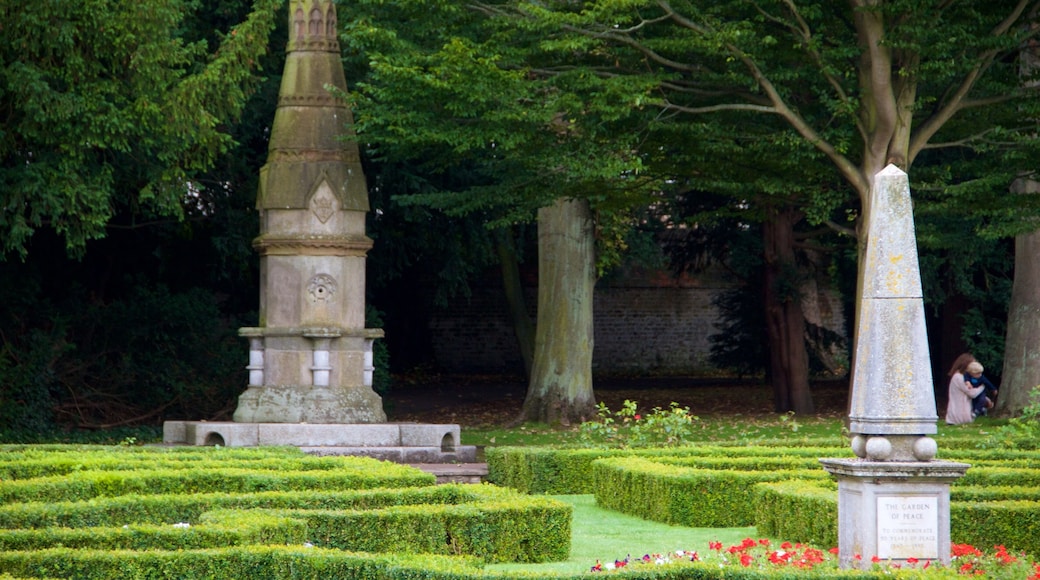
(907, 527)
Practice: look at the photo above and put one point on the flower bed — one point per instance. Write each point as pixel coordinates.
(761, 555)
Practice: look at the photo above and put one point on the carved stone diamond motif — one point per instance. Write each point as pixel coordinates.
(324, 203)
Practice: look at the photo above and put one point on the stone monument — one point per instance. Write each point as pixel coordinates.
(310, 359)
(894, 498)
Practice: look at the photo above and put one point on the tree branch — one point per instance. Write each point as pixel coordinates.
(805, 35)
(844, 230)
(720, 107)
(780, 107)
(956, 102)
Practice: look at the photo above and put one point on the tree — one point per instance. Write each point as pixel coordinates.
(561, 376)
(1021, 358)
(442, 94)
(864, 83)
(857, 86)
(139, 323)
(113, 107)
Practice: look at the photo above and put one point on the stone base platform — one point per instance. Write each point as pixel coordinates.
(398, 442)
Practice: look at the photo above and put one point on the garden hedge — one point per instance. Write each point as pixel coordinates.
(68, 508)
(496, 524)
(698, 498)
(722, 486)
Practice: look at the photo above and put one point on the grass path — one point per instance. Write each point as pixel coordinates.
(600, 534)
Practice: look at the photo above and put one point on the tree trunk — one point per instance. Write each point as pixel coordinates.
(523, 326)
(560, 387)
(1021, 356)
(785, 321)
(1021, 371)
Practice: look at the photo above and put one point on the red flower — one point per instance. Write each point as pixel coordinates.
(745, 559)
(964, 550)
(715, 545)
(833, 550)
(1003, 556)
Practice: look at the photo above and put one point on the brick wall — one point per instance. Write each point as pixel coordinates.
(647, 324)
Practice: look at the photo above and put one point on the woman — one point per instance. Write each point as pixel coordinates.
(958, 406)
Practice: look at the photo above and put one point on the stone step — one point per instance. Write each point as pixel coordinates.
(455, 472)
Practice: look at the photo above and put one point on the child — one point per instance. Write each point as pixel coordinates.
(984, 400)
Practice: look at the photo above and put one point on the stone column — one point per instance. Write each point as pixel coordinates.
(311, 341)
(894, 499)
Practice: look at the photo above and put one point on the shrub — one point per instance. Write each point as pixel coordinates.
(629, 428)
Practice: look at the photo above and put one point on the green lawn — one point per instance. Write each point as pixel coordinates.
(605, 535)
(728, 429)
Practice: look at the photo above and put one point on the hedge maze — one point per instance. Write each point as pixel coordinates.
(87, 512)
(780, 489)
(205, 512)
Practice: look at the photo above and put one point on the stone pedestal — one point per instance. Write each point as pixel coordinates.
(893, 510)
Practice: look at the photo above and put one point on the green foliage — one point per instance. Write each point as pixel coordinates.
(73, 362)
(739, 345)
(1023, 431)
(627, 427)
(109, 106)
(798, 511)
(745, 101)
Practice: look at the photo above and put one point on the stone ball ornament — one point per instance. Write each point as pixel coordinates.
(878, 449)
(859, 446)
(925, 449)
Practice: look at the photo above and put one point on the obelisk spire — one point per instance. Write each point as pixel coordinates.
(892, 407)
(311, 355)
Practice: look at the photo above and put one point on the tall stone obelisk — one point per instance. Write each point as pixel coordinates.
(894, 498)
(311, 355)
(310, 358)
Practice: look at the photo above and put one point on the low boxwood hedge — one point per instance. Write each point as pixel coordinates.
(496, 524)
(699, 498)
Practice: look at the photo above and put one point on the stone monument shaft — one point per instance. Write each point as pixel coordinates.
(894, 498)
(311, 356)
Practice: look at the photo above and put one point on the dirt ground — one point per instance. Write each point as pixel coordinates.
(481, 401)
